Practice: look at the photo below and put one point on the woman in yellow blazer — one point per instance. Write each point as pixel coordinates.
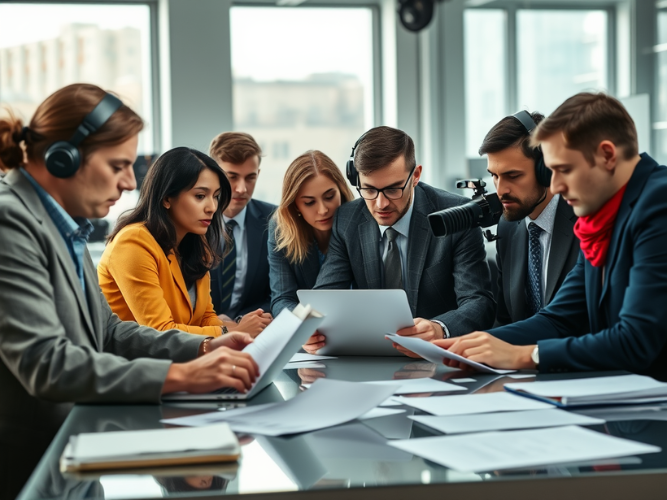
(155, 268)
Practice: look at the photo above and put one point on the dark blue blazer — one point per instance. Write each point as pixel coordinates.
(256, 290)
(628, 314)
(286, 278)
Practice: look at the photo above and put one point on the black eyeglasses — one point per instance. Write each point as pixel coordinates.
(391, 193)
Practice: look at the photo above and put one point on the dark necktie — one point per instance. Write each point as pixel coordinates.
(393, 275)
(534, 284)
(228, 269)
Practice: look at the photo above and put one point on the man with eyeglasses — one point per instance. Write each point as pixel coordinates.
(383, 241)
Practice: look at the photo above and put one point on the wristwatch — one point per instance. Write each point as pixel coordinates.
(445, 332)
(535, 356)
(225, 329)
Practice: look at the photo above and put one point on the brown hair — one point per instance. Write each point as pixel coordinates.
(586, 119)
(293, 234)
(234, 147)
(380, 146)
(57, 118)
(510, 132)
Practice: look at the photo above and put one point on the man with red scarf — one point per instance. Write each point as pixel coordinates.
(619, 284)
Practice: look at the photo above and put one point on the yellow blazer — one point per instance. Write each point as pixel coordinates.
(143, 284)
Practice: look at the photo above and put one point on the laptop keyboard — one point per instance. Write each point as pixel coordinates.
(226, 390)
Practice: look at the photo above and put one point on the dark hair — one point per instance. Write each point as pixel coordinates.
(586, 119)
(174, 172)
(382, 145)
(57, 118)
(174, 484)
(510, 133)
(234, 148)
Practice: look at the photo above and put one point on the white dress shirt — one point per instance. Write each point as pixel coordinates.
(546, 221)
(241, 256)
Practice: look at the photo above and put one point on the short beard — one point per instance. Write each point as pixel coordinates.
(524, 208)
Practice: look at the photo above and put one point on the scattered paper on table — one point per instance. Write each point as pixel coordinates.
(474, 403)
(435, 354)
(325, 404)
(391, 402)
(379, 412)
(463, 380)
(419, 385)
(490, 451)
(304, 364)
(304, 356)
(522, 375)
(484, 422)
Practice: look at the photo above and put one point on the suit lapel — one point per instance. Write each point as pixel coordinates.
(310, 267)
(561, 241)
(93, 294)
(369, 236)
(632, 192)
(518, 262)
(418, 244)
(178, 278)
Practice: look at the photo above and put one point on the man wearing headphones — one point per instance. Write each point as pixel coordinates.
(384, 240)
(536, 246)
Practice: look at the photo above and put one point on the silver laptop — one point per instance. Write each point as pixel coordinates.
(356, 321)
(272, 350)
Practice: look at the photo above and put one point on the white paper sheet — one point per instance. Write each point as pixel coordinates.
(522, 375)
(379, 412)
(267, 346)
(435, 354)
(485, 422)
(463, 380)
(390, 402)
(325, 404)
(304, 364)
(489, 451)
(419, 385)
(304, 356)
(468, 404)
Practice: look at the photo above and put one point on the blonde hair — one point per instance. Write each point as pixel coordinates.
(293, 234)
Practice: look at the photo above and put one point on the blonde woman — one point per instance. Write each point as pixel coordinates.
(300, 229)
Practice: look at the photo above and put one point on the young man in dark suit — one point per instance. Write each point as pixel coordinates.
(536, 246)
(619, 283)
(240, 284)
(384, 240)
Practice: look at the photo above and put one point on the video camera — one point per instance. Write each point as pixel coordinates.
(484, 210)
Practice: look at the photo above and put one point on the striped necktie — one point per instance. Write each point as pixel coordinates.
(534, 268)
(228, 269)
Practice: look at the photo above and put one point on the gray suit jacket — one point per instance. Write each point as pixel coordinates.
(447, 279)
(512, 261)
(286, 278)
(58, 346)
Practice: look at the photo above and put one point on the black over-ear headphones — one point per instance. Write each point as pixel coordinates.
(350, 169)
(542, 173)
(63, 158)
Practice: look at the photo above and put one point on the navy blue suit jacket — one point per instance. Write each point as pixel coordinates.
(256, 290)
(628, 314)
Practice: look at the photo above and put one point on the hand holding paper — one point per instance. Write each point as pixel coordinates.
(436, 354)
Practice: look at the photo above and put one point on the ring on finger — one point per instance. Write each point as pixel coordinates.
(233, 368)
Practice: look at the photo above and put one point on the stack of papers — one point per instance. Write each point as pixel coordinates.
(325, 404)
(474, 403)
(151, 448)
(623, 389)
(460, 424)
(490, 451)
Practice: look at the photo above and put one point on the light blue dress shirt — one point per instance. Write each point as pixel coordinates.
(75, 232)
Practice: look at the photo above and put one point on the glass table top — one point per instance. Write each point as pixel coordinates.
(350, 458)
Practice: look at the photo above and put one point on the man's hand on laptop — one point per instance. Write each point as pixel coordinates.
(315, 342)
(423, 329)
(224, 367)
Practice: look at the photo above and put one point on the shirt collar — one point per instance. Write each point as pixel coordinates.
(69, 227)
(547, 218)
(402, 225)
(240, 218)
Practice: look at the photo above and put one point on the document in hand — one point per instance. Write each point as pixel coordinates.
(271, 350)
(435, 354)
(150, 448)
(325, 404)
(621, 389)
(490, 451)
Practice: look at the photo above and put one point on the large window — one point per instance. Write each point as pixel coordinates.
(530, 59)
(560, 53)
(44, 47)
(485, 73)
(303, 79)
(660, 125)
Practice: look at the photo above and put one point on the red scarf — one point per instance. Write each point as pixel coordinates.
(594, 231)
